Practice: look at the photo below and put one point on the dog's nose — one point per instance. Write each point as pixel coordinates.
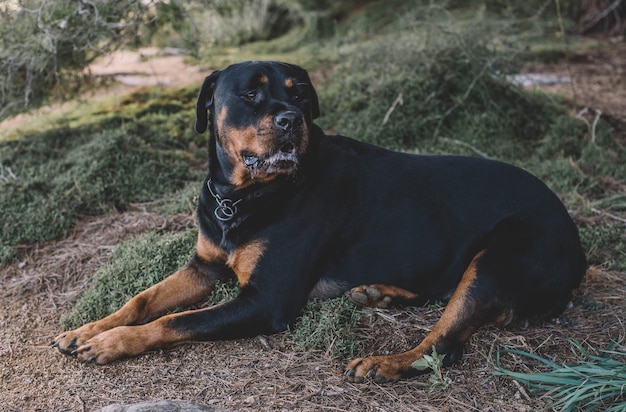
(286, 120)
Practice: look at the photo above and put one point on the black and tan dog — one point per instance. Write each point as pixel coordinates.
(294, 214)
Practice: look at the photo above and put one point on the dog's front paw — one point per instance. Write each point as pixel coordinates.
(107, 347)
(69, 341)
(120, 342)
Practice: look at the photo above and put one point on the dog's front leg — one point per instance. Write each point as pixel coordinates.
(245, 316)
(186, 286)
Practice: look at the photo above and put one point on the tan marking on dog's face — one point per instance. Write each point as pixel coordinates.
(260, 140)
(220, 124)
(289, 83)
(244, 260)
(255, 139)
(263, 79)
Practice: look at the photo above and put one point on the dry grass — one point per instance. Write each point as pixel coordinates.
(66, 262)
(263, 373)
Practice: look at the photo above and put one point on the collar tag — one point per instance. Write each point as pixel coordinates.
(226, 208)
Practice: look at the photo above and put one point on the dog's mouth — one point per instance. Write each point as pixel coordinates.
(283, 161)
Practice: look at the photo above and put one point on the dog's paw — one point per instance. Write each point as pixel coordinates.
(107, 347)
(369, 296)
(380, 369)
(69, 341)
(381, 296)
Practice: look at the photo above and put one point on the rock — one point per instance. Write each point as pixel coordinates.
(161, 406)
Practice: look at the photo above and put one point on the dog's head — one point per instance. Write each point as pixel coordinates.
(261, 116)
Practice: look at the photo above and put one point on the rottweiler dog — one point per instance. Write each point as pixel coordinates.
(293, 214)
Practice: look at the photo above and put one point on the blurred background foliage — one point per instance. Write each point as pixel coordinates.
(422, 76)
(45, 45)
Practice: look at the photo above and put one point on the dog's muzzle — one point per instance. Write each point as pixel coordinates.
(285, 158)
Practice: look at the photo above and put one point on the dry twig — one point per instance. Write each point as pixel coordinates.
(592, 126)
(398, 102)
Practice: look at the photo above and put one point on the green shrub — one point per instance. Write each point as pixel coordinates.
(328, 326)
(136, 264)
(45, 45)
(60, 176)
(451, 89)
(200, 25)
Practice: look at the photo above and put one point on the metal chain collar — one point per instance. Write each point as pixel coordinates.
(226, 208)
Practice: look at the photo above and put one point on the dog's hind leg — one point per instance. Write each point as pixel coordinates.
(472, 305)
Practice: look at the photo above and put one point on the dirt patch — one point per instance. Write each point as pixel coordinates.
(253, 374)
(597, 78)
(148, 67)
(267, 373)
(129, 69)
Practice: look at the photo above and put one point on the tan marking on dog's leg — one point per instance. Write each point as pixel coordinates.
(127, 341)
(185, 287)
(243, 260)
(454, 328)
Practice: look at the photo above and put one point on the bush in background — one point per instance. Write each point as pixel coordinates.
(46, 44)
(198, 25)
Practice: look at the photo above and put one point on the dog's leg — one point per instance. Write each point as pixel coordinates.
(381, 296)
(186, 286)
(471, 306)
(255, 310)
(246, 315)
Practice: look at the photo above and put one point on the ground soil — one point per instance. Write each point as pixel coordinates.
(268, 373)
(597, 78)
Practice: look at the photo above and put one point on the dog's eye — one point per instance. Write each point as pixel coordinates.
(250, 96)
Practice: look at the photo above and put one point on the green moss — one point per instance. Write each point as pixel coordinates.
(605, 244)
(328, 326)
(139, 150)
(136, 264)
(61, 178)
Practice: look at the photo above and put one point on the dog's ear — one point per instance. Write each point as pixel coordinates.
(205, 100)
(303, 77)
(315, 105)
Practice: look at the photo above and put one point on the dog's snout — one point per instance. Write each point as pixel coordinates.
(286, 120)
(287, 147)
